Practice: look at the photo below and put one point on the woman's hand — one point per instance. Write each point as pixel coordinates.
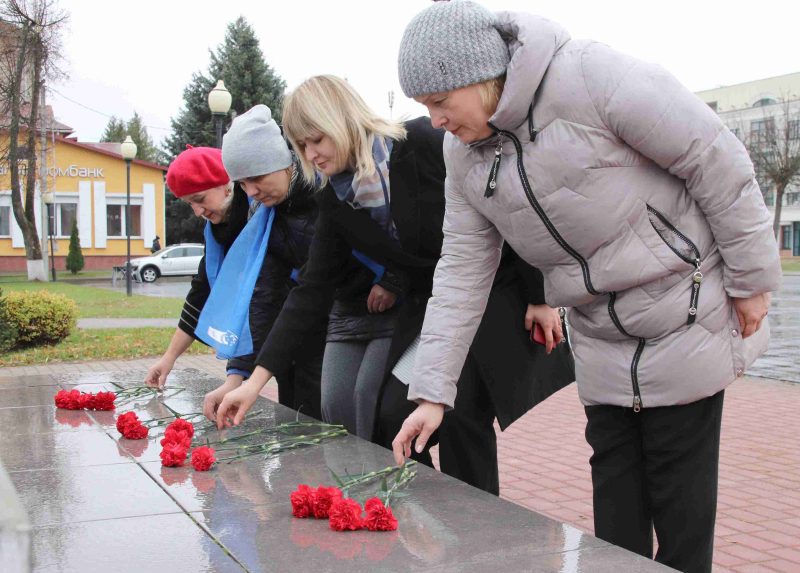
(214, 398)
(380, 299)
(550, 321)
(157, 374)
(751, 311)
(420, 424)
(235, 405)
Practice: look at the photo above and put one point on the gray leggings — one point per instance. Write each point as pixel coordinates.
(352, 373)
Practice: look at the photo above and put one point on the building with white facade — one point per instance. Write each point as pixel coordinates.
(748, 109)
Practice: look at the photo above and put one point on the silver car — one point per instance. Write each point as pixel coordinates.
(175, 260)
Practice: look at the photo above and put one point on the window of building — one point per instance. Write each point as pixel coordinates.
(712, 105)
(794, 129)
(5, 221)
(737, 132)
(115, 221)
(60, 218)
(786, 237)
(769, 100)
(759, 128)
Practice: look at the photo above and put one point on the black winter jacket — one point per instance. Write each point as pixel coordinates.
(289, 242)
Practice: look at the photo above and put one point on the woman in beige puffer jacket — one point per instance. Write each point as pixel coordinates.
(643, 213)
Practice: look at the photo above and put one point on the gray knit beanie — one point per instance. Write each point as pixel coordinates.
(448, 46)
(254, 145)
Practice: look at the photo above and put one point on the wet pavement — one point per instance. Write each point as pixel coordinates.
(169, 287)
(97, 502)
(782, 360)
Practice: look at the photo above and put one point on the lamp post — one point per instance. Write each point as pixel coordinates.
(48, 199)
(219, 102)
(128, 150)
(391, 102)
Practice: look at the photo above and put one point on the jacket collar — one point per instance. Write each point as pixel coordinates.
(532, 42)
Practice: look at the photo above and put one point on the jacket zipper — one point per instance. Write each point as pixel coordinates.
(697, 276)
(492, 182)
(637, 397)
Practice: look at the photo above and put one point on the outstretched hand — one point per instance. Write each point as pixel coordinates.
(420, 424)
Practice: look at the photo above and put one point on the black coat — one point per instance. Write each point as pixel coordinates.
(289, 242)
(416, 174)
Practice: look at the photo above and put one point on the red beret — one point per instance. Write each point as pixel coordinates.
(196, 169)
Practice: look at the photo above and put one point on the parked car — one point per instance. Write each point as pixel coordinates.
(175, 260)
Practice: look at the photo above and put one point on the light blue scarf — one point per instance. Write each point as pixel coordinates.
(224, 323)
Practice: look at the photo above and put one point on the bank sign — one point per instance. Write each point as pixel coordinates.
(71, 171)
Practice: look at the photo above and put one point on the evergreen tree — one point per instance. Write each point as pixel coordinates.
(117, 130)
(75, 255)
(239, 62)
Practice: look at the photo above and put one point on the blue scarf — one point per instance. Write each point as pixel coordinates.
(224, 323)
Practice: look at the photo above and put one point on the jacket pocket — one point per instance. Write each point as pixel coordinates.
(684, 248)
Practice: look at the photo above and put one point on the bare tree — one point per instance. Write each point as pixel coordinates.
(31, 33)
(774, 146)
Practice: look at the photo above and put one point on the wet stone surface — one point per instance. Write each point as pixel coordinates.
(782, 360)
(98, 502)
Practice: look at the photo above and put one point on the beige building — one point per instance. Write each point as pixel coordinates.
(748, 109)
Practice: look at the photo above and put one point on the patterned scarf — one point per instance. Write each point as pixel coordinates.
(371, 193)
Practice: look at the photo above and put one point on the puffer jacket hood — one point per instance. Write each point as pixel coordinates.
(638, 205)
(532, 43)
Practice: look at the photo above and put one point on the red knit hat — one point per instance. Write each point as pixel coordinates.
(196, 169)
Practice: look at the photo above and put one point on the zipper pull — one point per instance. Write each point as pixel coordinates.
(492, 183)
(697, 278)
(637, 403)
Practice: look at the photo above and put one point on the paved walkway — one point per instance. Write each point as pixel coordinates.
(93, 323)
(544, 464)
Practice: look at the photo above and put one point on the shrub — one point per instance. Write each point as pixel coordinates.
(40, 317)
(75, 255)
(8, 333)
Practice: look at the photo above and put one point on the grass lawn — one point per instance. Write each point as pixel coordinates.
(96, 302)
(100, 344)
(791, 265)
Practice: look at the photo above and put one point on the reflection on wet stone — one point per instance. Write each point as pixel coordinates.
(78, 477)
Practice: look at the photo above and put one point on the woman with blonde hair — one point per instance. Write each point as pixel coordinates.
(382, 197)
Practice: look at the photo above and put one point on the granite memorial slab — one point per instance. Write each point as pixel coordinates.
(99, 502)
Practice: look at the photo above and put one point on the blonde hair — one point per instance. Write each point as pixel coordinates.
(328, 105)
(490, 92)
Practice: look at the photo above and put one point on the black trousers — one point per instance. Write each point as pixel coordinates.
(299, 388)
(466, 437)
(657, 468)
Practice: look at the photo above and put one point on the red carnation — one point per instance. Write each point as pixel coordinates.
(322, 499)
(302, 501)
(181, 424)
(126, 419)
(86, 401)
(135, 431)
(69, 400)
(173, 455)
(379, 517)
(345, 514)
(173, 436)
(104, 401)
(203, 458)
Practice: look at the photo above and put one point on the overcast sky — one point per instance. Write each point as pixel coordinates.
(139, 55)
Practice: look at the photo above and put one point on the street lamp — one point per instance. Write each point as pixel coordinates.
(219, 102)
(128, 150)
(48, 199)
(391, 102)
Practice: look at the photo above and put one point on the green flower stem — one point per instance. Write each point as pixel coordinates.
(402, 479)
(278, 446)
(370, 476)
